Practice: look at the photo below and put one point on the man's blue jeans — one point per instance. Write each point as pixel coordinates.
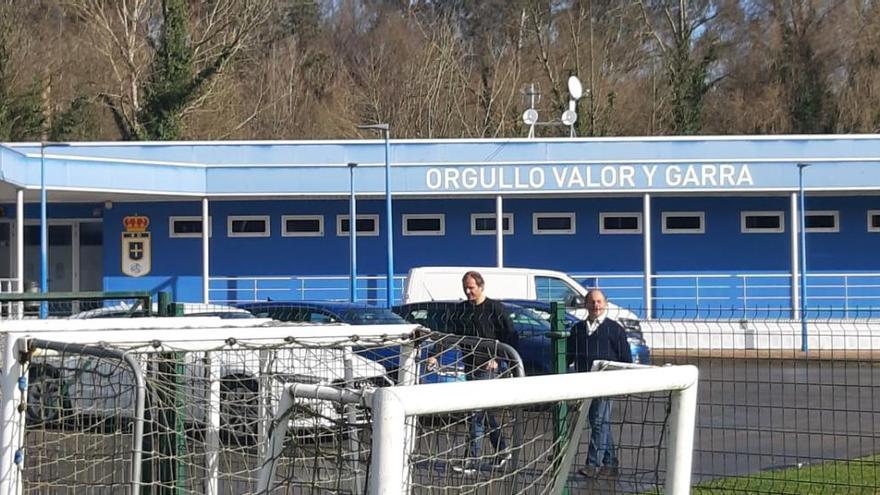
(601, 451)
(478, 422)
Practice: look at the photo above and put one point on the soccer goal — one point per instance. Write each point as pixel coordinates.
(420, 438)
(186, 405)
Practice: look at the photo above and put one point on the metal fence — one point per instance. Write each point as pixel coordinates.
(696, 295)
(772, 418)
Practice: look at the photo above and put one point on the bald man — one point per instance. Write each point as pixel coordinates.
(598, 338)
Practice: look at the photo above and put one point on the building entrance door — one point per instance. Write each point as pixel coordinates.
(74, 257)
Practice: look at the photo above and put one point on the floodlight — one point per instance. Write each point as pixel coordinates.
(569, 117)
(530, 116)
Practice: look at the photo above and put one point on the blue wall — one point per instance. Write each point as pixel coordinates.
(722, 249)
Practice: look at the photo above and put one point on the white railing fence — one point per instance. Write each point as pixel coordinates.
(681, 294)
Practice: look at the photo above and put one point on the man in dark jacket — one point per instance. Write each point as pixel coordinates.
(485, 318)
(598, 338)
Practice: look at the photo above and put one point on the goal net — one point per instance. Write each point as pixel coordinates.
(186, 405)
(518, 435)
(203, 405)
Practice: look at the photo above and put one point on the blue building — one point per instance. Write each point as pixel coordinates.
(664, 224)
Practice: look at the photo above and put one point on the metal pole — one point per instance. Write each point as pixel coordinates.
(803, 222)
(206, 252)
(44, 235)
(19, 250)
(795, 257)
(649, 270)
(499, 231)
(352, 233)
(389, 283)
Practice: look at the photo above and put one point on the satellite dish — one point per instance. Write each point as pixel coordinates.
(569, 117)
(530, 116)
(574, 88)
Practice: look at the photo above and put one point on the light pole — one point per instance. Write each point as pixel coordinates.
(352, 233)
(389, 283)
(44, 234)
(803, 257)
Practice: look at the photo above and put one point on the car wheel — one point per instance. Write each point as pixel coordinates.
(239, 410)
(45, 395)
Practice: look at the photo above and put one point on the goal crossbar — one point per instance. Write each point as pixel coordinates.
(392, 405)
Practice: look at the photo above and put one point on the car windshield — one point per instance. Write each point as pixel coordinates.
(325, 313)
(370, 316)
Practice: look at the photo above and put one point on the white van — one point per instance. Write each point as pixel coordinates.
(443, 283)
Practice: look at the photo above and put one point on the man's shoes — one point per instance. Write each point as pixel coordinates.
(609, 471)
(502, 459)
(467, 467)
(589, 471)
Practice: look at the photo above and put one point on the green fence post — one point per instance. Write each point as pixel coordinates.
(170, 416)
(559, 337)
(164, 303)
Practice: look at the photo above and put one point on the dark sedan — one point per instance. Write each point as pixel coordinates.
(323, 312)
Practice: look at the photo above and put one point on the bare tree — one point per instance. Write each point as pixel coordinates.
(166, 60)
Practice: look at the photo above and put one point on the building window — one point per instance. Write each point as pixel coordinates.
(620, 223)
(822, 221)
(187, 227)
(873, 220)
(366, 225)
(247, 226)
(427, 224)
(684, 222)
(302, 226)
(762, 222)
(484, 223)
(553, 223)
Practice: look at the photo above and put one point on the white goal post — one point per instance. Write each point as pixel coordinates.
(392, 405)
(100, 403)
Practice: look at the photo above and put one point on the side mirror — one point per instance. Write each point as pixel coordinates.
(574, 301)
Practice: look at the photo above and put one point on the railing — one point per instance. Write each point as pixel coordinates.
(369, 289)
(753, 294)
(680, 295)
(8, 309)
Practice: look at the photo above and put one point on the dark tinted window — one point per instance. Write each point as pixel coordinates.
(424, 225)
(684, 222)
(875, 221)
(486, 224)
(249, 226)
(814, 221)
(304, 225)
(553, 223)
(187, 227)
(363, 225)
(620, 223)
(763, 222)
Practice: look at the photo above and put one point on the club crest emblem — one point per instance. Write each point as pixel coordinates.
(136, 254)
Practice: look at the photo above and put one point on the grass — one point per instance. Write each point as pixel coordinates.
(858, 476)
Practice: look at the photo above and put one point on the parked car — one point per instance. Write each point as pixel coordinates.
(322, 312)
(641, 353)
(449, 367)
(63, 386)
(532, 324)
(136, 310)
